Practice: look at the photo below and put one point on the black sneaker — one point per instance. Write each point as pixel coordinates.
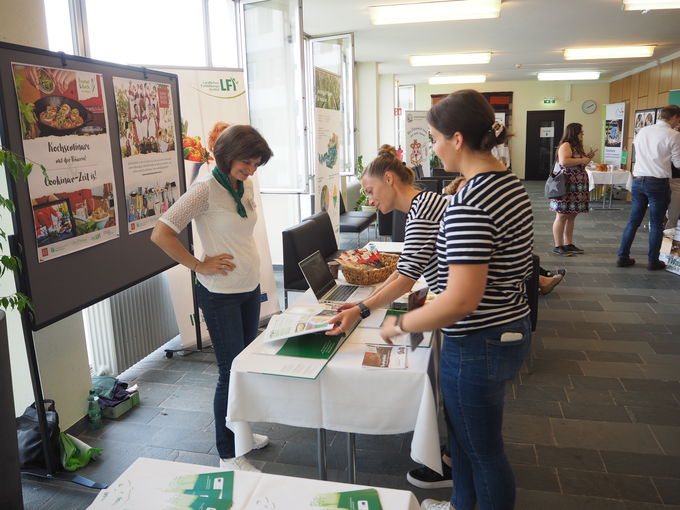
(425, 478)
(574, 249)
(562, 250)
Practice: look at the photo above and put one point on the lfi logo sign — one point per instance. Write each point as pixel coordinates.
(228, 84)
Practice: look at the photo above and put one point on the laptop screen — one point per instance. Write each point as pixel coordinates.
(317, 274)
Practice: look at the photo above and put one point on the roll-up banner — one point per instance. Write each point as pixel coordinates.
(417, 141)
(613, 130)
(206, 97)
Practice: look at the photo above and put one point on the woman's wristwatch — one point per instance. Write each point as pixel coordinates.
(364, 311)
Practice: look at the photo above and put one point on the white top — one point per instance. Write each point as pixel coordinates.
(221, 230)
(655, 148)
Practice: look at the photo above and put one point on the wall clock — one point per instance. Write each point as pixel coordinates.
(589, 106)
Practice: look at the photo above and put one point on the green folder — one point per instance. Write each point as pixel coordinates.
(314, 345)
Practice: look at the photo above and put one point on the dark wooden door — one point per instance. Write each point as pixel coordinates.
(544, 130)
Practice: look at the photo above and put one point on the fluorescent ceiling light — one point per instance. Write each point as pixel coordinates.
(434, 11)
(608, 52)
(648, 5)
(451, 59)
(569, 75)
(469, 78)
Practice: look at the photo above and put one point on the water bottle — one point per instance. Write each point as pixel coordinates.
(94, 413)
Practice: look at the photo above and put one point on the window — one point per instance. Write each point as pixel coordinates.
(59, 32)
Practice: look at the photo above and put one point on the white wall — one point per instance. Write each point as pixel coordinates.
(367, 109)
(60, 348)
(528, 96)
(386, 121)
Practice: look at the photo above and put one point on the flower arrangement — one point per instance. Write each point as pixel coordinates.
(194, 150)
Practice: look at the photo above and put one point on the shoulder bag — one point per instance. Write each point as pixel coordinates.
(556, 185)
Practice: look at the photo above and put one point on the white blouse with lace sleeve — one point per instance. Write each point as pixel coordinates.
(189, 205)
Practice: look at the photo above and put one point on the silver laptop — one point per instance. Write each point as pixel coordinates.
(321, 281)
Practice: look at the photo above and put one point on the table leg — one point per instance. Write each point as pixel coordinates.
(351, 457)
(321, 454)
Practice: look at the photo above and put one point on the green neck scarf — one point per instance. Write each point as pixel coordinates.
(236, 194)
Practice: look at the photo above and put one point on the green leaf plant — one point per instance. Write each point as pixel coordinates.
(18, 168)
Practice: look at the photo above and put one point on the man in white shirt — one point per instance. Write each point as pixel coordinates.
(655, 147)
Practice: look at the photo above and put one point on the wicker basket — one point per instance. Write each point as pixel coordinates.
(371, 276)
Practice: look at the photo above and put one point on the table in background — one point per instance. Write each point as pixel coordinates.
(140, 486)
(615, 177)
(345, 397)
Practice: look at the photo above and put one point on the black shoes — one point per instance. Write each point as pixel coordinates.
(563, 250)
(626, 262)
(656, 266)
(574, 249)
(425, 478)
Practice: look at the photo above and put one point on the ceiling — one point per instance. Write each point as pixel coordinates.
(528, 37)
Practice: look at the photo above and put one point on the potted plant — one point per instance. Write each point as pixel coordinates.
(362, 202)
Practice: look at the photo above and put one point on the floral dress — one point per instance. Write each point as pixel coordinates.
(577, 199)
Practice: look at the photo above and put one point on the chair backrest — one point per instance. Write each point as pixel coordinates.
(342, 205)
(326, 235)
(398, 226)
(299, 242)
(433, 185)
(385, 224)
(532, 290)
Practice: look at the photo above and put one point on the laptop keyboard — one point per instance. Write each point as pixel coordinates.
(341, 293)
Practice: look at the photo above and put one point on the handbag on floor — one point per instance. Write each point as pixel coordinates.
(556, 185)
(31, 453)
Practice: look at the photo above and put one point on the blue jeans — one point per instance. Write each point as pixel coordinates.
(474, 370)
(656, 194)
(232, 321)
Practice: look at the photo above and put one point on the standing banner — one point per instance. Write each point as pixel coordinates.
(64, 126)
(614, 115)
(417, 142)
(147, 144)
(206, 97)
(327, 144)
(673, 262)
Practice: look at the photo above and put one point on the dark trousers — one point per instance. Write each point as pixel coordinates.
(232, 321)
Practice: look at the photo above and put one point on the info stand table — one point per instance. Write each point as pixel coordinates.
(145, 484)
(345, 397)
(615, 177)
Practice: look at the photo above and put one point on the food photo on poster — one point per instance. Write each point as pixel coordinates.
(64, 128)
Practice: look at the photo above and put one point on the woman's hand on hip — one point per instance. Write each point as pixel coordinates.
(219, 264)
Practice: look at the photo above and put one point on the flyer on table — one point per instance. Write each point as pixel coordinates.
(148, 146)
(64, 127)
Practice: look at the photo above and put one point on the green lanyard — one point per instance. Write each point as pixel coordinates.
(237, 195)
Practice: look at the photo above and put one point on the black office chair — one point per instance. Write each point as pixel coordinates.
(299, 242)
(328, 245)
(354, 221)
(385, 224)
(433, 185)
(398, 226)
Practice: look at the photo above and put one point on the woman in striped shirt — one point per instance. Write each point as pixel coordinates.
(484, 252)
(388, 184)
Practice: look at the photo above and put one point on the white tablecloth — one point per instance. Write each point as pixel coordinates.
(146, 481)
(345, 397)
(618, 177)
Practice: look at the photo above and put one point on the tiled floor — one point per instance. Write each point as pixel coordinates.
(596, 425)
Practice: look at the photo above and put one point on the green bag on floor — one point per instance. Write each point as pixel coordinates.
(74, 453)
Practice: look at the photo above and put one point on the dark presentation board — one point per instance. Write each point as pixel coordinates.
(61, 286)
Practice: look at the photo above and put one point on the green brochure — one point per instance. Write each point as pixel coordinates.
(212, 490)
(315, 345)
(363, 499)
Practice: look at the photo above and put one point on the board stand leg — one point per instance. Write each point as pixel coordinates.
(169, 353)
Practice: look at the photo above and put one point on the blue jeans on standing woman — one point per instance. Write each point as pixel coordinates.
(232, 321)
(657, 194)
(474, 370)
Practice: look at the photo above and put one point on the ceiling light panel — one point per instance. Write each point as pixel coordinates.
(608, 52)
(648, 5)
(450, 59)
(434, 11)
(469, 78)
(569, 76)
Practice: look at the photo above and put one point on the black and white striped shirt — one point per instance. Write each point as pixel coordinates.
(419, 257)
(489, 222)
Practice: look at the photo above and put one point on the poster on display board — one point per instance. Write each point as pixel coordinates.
(643, 118)
(613, 130)
(207, 97)
(148, 148)
(417, 142)
(327, 144)
(64, 127)
(673, 261)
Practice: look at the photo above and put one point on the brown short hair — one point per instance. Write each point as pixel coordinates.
(669, 111)
(388, 160)
(240, 142)
(469, 113)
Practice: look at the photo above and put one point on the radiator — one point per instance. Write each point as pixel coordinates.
(128, 326)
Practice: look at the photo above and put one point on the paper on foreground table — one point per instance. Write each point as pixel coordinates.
(363, 335)
(298, 320)
(385, 356)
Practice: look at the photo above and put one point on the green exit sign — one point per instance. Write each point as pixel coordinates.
(549, 100)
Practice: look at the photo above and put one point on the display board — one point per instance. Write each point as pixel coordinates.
(72, 227)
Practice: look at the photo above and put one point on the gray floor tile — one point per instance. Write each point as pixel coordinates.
(642, 464)
(656, 416)
(621, 357)
(588, 483)
(520, 428)
(596, 435)
(536, 478)
(668, 437)
(595, 412)
(669, 488)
